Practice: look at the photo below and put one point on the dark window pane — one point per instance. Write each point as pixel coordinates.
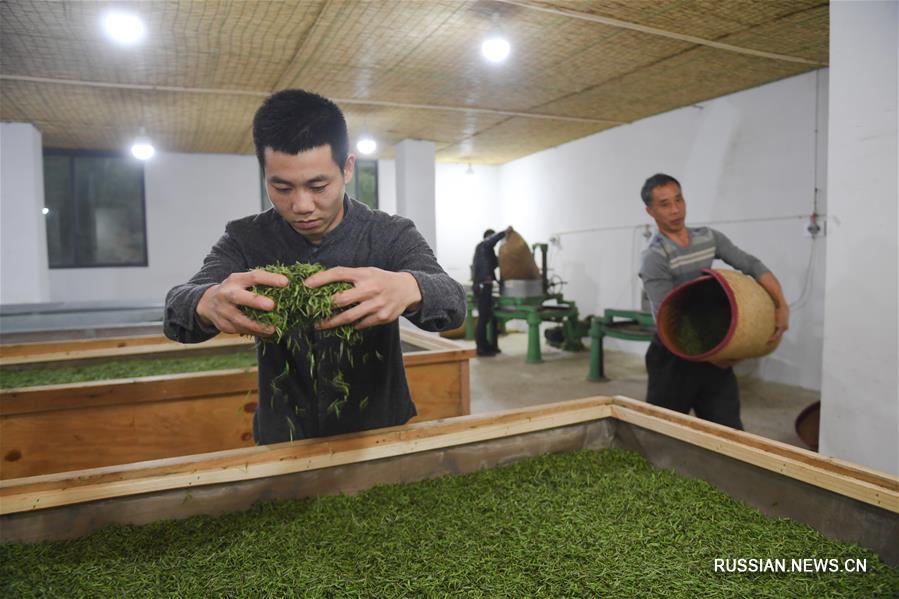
(59, 201)
(364, 186)
(103, 223)
(368, 185)
(110, 221)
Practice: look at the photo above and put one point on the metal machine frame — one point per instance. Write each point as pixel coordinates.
(533, 311)
(633, 325)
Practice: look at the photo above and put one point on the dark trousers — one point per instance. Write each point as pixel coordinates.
(682, 385)
(483, 293)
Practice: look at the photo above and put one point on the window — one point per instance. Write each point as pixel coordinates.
(364, 186)
(96, 215)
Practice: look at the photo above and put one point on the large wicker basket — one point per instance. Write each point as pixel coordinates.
(721, 315)
(516, 261)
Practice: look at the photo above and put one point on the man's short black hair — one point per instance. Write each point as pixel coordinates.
(294, 120)
(653, 182)
(488, 233)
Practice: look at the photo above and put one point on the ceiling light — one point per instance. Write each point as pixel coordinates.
(366, 145)
(496, 47)
(45, 211)
(124, 28)
(142, 148)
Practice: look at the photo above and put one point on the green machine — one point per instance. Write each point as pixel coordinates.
(534, 301)
(631, 325)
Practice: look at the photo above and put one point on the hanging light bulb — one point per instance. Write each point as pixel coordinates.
(366, 145)
(496, 48)
(142, 148)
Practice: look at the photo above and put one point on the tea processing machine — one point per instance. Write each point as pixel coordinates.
(541, 300)
(534, 301)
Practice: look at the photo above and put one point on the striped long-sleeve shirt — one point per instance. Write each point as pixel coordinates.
(667, 265)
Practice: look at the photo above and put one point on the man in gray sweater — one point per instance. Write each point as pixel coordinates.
(303, 148)
(675, 255)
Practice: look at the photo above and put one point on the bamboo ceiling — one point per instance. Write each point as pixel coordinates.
(399, 68)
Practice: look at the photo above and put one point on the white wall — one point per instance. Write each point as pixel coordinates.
(749, 155)
(859, 403)
(23, 234)
(189, 199)
(466, 205)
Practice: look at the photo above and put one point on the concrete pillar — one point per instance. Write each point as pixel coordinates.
(859, 403)
(387, 186)
(24, 270)
(415, 188)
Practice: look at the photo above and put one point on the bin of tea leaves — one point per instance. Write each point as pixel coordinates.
(721, 315)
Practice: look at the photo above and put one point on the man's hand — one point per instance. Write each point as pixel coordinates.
(380, 296)
(220, 304)
(781, 323)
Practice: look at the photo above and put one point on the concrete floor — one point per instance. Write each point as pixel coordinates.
(506, 381)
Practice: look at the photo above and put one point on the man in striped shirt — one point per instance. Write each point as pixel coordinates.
(677, 254)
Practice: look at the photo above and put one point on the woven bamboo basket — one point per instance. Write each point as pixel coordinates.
(516, 261)
(721, 315)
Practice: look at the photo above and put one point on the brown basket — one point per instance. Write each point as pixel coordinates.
(722, 315)
(808, 425)
(516, 261)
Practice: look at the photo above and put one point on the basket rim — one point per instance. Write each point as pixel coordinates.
(710, 273)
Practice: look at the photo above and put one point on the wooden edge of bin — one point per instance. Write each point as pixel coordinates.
(43, 398)
(844, 478)
(437, 356)
(123, 347)
(37, 348)
(93, 394)
(159, 348)
(465, 384)
(864, 484)
(53, 490)
(428, 341)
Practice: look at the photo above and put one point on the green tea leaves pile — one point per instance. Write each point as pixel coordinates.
(704, 317)
(698, 333)
(580, 524)
(298, 307)
(125, 369)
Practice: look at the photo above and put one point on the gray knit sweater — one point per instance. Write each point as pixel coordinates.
(296, 406)
(667, 265)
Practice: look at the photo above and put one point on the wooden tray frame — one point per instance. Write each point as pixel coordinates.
(860, 504)
(85, 425)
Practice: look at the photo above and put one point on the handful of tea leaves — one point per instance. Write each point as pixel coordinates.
(297, 309)
(298, 306)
